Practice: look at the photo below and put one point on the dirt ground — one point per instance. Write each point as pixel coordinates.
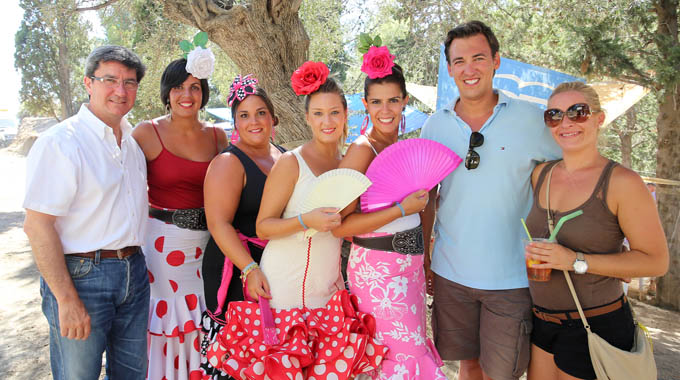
(24, 347)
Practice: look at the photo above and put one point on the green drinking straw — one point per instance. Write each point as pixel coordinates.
(524, 224)
(562, 220)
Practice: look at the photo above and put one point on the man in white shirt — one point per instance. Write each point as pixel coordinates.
(86, 207)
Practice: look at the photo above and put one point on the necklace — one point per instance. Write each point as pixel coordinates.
(568, 175)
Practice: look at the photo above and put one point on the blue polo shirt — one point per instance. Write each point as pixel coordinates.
(478, 233)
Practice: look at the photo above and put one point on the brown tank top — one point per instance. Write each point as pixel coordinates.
(597, 231)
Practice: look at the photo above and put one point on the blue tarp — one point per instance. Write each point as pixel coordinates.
(414, 118)
(222, 114)
(518, 79)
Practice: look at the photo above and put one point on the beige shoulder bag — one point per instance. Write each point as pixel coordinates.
(610, 362)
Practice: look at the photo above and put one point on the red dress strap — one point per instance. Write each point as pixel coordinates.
(153, 124)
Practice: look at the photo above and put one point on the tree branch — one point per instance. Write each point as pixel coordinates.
(503, 9)
(216, 9)
(105, 4)
(198, 12)
(54, 114)
(633, 146)
(295, 6)
(232, 17)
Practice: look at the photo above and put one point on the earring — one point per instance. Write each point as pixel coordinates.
(273, 132)
(169, 110)
(402, 123)
(234, 136)
(364, 125)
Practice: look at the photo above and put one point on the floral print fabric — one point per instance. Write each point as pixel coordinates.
(391, 286)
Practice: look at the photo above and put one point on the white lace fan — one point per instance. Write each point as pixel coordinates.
(335, 188)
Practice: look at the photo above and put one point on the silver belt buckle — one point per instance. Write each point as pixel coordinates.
(119, 253)
(409, 242)
(192, 219)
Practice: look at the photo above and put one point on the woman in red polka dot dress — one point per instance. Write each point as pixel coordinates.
(178, 149)
(313, 330)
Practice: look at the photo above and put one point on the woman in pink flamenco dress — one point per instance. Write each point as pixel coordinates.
(389, 281)
(178, 149)
(316, 331)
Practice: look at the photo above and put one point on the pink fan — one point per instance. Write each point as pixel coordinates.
(268, 326)
(405, 167)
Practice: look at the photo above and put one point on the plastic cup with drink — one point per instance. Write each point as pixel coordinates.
(537, 274)
(543, 274)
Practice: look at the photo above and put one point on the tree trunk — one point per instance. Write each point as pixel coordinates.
(265, 38)
(64, 70)
(668, 156)
(626, 137)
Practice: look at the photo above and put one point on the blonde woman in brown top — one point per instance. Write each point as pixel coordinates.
(615, 204)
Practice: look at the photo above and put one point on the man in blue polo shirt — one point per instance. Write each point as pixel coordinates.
(482, 306)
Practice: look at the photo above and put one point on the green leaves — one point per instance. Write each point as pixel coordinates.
(365, 42)
(48, 40)
(186, 46)
(200, 39)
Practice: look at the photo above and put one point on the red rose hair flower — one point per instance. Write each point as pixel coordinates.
(378, 62)
(309, 77)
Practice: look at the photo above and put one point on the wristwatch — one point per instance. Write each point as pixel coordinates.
(580, 264)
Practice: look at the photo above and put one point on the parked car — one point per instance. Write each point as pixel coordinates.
(8, 130)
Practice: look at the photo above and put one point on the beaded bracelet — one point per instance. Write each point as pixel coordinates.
(304, 226)
(249, 268)
(403, 212)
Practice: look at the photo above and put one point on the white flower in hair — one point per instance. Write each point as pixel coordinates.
(200, 63)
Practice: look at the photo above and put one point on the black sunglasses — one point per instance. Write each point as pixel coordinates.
(577, 113)
(472, 158)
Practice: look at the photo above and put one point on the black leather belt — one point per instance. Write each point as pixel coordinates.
(409, 242)
(191, 218)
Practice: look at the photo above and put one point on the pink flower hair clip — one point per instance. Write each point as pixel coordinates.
(377, 62)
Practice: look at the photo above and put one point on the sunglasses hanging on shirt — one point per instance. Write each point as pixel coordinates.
(472, 157)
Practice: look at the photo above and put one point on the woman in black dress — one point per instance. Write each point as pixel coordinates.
(233, 189)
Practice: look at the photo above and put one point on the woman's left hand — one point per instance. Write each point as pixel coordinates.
(551, 255)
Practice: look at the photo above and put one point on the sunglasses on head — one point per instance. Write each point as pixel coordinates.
(472, 157)
(577, 113)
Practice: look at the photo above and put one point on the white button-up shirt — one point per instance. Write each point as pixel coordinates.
(97, 190)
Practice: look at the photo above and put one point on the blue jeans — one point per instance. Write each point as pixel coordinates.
(116, 295)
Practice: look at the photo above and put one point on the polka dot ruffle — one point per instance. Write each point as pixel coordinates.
(331, 343)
